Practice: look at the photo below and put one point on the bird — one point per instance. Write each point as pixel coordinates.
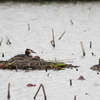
(27, 55)
(96, 67)
(28, 52)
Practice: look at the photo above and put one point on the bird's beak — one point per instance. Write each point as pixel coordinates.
(33, 51)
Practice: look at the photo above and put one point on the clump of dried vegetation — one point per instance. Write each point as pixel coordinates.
(33, 64)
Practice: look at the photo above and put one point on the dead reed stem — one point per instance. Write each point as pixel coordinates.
(53, 41)
(75, 97)
(8, 95)
(28, 27)
(71, 22)
(1, 41)
(16, 68)
(2, 54)
(90, 44)
(8, 41)
(43, 92)
(76, 69)
(70, 82)
(62, 35)
(93, 54)
(82, 49)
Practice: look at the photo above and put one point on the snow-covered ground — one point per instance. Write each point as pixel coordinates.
(14, 21)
